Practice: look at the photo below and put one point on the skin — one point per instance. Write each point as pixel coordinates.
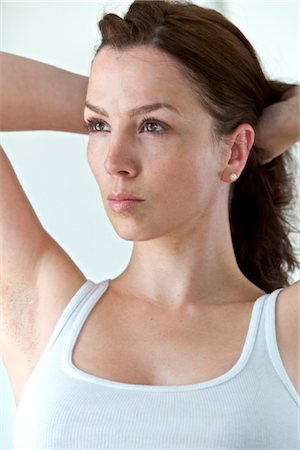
(279, 126)
(182, 255)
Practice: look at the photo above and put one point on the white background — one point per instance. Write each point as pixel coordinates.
(52, 166)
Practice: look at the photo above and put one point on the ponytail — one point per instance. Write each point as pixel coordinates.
(261, 221)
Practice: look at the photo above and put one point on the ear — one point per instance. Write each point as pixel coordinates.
(239, 144)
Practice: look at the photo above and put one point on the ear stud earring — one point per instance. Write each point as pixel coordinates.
(233, 176)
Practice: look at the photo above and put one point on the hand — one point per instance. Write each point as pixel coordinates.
(279, 126)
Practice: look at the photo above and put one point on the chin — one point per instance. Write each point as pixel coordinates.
(132, 231)
(132, 234)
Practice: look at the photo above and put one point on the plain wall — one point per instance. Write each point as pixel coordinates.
(52, 166)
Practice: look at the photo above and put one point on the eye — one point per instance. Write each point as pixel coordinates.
(151, 125)
(95, 126)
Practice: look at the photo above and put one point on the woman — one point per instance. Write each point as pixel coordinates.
(179, 351)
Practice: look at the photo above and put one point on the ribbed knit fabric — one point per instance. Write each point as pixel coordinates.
(252, 406)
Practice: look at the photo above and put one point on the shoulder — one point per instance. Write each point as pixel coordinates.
(288, 308)
(291, 297)
(287, 317)
(288, 311)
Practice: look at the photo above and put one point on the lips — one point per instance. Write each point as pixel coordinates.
(123, 202)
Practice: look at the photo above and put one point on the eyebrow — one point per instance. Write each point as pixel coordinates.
(135, 111)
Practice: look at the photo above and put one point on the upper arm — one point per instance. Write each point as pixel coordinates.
(23, 242)
(35, 270)
(37, 279)
(22, 237)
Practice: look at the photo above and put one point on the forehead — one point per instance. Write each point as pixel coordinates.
(122, 80)
(139, 71)
(137, 58)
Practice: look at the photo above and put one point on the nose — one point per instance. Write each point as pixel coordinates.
(120, 158)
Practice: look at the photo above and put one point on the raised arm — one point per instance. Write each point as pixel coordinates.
(38, 96)
(37, 277)
(279, 126)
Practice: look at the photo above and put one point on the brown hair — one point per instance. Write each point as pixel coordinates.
(226, 74)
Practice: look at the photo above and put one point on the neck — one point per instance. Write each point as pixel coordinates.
(197, 267)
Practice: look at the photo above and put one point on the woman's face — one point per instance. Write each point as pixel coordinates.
(164, 154)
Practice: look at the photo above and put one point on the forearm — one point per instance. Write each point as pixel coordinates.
(38, 96)
(279, 126)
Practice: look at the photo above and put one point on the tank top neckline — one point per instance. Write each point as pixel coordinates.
(97, 290)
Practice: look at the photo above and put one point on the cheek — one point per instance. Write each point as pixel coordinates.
(184, 171)
(172, 182)
(90, 155)
(94, 160)
(187, 182)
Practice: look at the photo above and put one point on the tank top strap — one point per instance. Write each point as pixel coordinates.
(268, 333)
(83, 297)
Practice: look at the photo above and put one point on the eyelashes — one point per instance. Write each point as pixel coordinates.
(91, 125)
(94, 125)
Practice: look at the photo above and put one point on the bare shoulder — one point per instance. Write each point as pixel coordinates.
(287, 330)
(289, 301)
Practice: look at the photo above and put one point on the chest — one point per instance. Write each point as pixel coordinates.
(148, 346)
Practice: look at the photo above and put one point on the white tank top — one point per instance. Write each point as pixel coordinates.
(252, 406)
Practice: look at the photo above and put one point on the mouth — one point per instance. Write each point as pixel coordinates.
(124, 205)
